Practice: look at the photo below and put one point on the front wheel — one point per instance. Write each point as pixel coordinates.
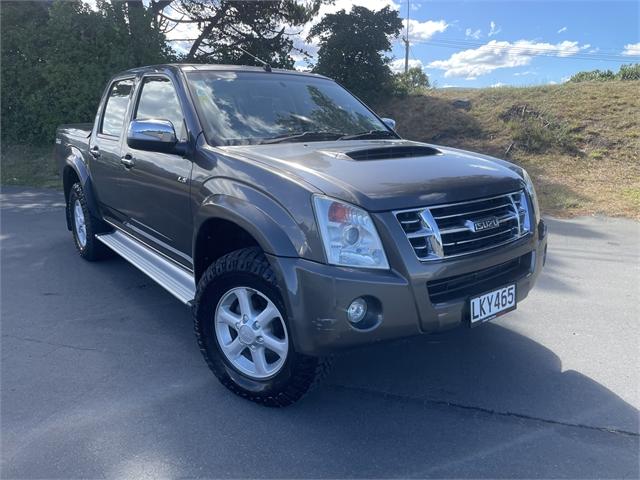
(243, 332)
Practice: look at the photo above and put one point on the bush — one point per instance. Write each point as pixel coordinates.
(594, 75)
(626, 72)
(414, 82)
(536, 132)
(629, 72)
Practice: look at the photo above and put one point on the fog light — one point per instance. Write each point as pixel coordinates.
(357, 310)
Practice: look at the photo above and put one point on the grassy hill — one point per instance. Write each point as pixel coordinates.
(579, 141)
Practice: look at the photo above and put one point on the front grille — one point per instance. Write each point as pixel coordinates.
(475, 283)
(451, 230)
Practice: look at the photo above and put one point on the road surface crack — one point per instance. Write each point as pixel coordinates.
(53, 344)
(489, 411)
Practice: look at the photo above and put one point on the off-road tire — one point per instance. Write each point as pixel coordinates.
(249, 267)
(93, 249)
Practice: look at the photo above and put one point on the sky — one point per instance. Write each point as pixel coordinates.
(478, 43)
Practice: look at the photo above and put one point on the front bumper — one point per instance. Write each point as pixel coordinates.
(317, 295)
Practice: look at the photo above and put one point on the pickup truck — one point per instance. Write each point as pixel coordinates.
(293, 220)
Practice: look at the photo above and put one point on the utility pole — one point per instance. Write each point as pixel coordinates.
(406, 43)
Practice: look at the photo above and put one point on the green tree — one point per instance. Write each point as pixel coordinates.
(57, 57)
(23, 43)
(413, 82)
(352, 49)
(264, 28)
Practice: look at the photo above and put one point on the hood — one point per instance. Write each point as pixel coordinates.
(382, 175)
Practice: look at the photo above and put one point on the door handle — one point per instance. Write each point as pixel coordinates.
(95, 152)
(128, 161)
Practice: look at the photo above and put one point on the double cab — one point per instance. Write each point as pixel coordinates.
(293, 220)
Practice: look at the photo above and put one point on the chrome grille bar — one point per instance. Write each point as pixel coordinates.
(456, 229)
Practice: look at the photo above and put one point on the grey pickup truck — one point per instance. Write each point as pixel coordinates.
(292, 219)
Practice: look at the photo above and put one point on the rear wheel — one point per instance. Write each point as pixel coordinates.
(84, 226)
(243, 332)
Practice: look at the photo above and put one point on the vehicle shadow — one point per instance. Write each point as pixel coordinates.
(485, 402)
(489, 367)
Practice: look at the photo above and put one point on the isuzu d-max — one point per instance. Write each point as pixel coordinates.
(292, 219)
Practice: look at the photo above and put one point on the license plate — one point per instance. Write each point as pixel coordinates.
(490, 305)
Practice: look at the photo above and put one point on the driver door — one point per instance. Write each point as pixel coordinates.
(159, 210)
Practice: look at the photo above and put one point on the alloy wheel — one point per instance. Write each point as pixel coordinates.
(80, 224)
(251, 332)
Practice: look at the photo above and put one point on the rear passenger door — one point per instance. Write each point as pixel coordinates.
(158, 206)
(107, 172)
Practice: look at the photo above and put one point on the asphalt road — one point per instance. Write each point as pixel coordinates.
(100, 376)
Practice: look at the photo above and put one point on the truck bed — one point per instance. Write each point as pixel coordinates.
(70, 137)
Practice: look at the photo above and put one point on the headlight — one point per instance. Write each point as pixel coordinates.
(532, 194)
(348, 234)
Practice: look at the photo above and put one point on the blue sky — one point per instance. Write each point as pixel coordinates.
(478, 43)
(572, 35)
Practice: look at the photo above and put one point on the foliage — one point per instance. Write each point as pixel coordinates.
(413, 82)
(352, 48)
(629, 72)
(626, 72)
(262, 28)
(601, 75)
(57, 57)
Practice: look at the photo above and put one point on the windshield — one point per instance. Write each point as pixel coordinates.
(246, 107)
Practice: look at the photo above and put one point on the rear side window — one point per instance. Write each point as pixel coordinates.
(158, 100)
(116, 108)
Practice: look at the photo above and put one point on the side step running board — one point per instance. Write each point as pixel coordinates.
(178, 281)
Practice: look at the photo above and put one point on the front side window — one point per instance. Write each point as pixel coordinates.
(116, 108)
(250, 107)
(158, 100)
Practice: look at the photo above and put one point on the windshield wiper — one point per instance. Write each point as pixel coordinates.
(301, 137)
(369, 134)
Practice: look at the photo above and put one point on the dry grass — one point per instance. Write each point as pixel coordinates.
(579, 141)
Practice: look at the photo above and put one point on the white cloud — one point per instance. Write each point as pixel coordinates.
(494, 30)
(473, 34)
(552, 82)
(562, 30)
(632, 50)
(501, 54)
(498, 85)
(397, 65)
(523, 74)
(425, 30)
(415, 6)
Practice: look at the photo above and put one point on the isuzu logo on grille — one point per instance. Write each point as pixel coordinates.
(483, 224)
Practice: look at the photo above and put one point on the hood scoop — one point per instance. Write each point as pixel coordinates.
(384, 153)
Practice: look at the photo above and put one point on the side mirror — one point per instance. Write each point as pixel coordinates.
(390, 122)
(153, 135)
